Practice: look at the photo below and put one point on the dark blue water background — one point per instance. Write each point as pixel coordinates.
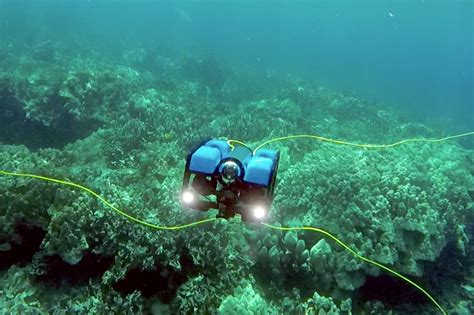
(414, 54)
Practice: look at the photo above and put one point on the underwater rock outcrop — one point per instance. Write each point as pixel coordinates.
(399, 206)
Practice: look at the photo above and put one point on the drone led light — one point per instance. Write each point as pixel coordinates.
(188, 197)
(259, 212)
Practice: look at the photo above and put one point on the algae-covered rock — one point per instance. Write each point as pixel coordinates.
(246, 301)
(320, 255)
(124, 133)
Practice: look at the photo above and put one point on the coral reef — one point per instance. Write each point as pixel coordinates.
(124, 131)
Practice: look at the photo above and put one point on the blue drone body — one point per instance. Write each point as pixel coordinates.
(232, 180)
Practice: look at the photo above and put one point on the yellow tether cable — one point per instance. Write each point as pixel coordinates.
(355, 254)
(156, 227)
(108, 204)
(231, 142)
(358, 145)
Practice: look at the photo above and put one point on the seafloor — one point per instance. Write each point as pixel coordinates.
(122, 126)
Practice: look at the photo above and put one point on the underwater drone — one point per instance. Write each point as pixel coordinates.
(233, 180)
